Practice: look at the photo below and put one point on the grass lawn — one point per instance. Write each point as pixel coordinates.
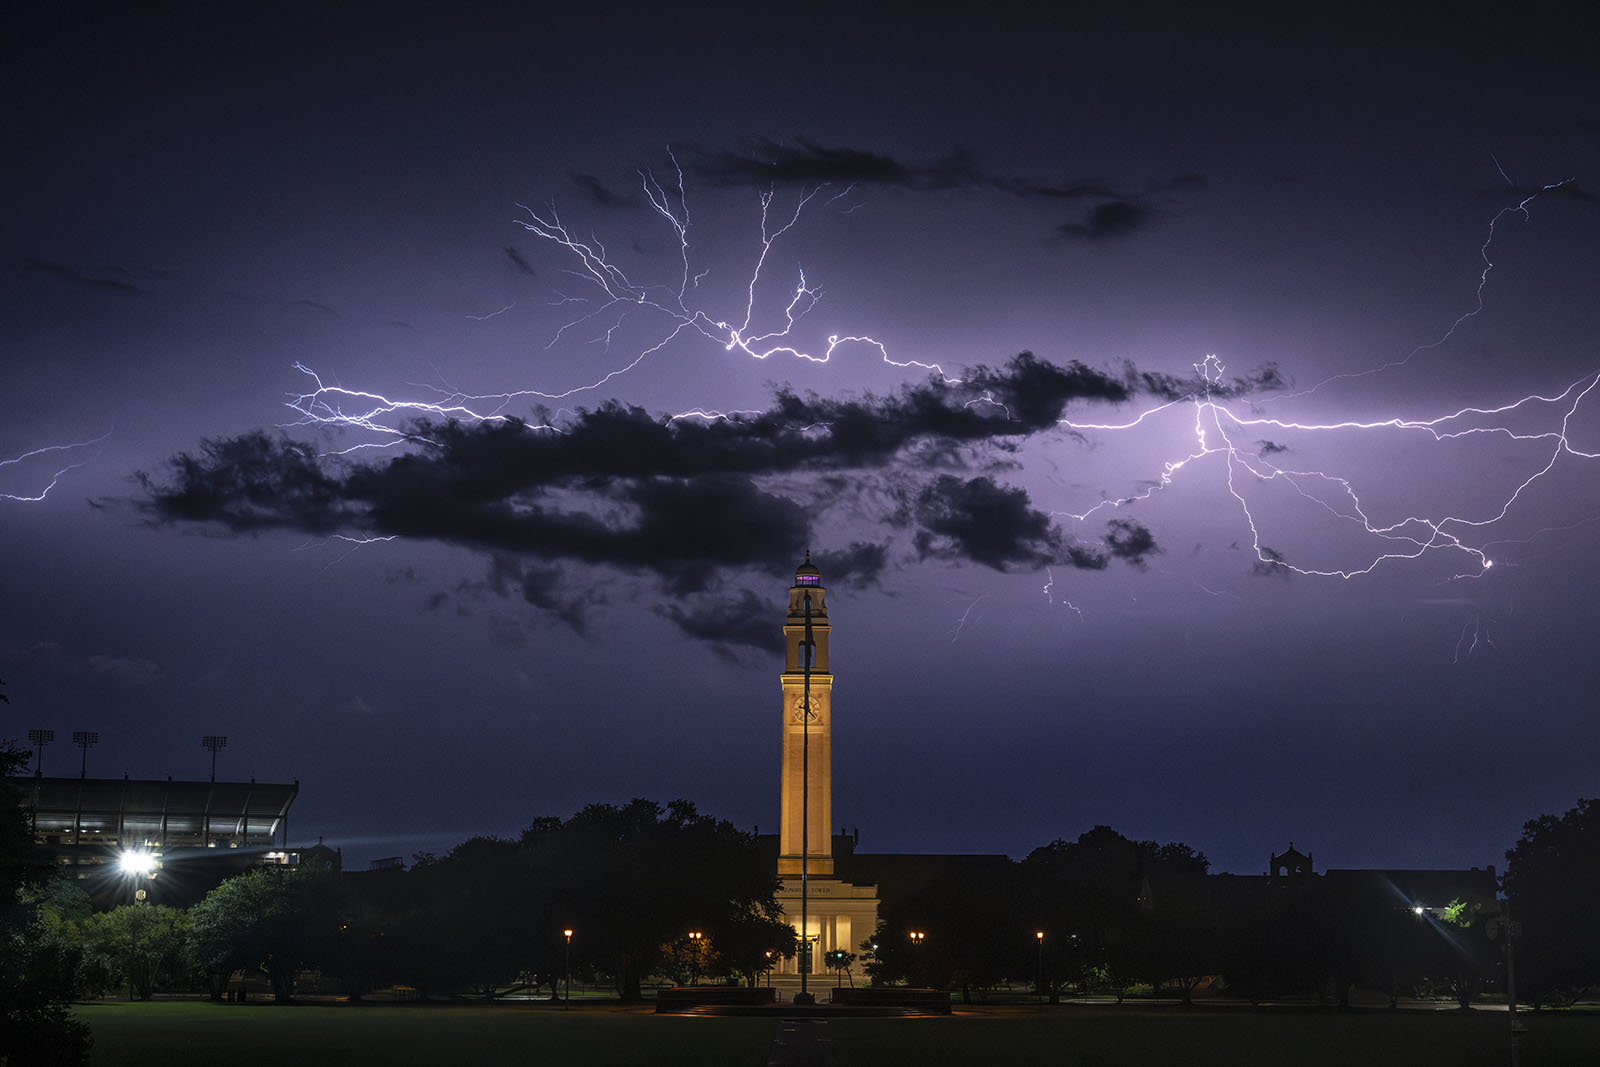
(184, 1033)
(174, 1034)
(1207, 1036)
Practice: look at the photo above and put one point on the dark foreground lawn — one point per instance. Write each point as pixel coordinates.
(179, 1034)
(182, 1034)
(1214, 1036)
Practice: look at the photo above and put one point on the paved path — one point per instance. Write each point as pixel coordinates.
(802, 1043)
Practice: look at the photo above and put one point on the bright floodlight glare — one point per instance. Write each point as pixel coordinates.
(137, 863)
(1417, 910)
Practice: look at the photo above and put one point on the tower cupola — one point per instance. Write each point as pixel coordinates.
(807, 573)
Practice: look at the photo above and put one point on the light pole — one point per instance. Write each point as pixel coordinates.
(85, 739)
(769, 968)
(1039, 983)
(1494, 926)
(38, 739)
(214, 742)
(808, 643)
(917, 937)
(694, 944)
(567, 962)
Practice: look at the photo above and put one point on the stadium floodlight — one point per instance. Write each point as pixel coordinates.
(38, 739)
(137, 863)
(85, 739)
(214, 742)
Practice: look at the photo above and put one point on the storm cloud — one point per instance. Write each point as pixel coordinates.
(686, 502)
(1105, 210)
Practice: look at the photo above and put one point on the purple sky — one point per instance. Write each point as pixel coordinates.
(1031, 634)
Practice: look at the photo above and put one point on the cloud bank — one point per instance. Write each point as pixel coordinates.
(691, 504)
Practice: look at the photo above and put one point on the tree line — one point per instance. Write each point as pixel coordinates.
(632, 882)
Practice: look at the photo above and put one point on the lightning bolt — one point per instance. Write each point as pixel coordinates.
(961, 623)
(1472, 634)
(355, 544)
(607, 298)
(1520, 208)
(54, 477)
(1049, 596)
(1216, 428)
(1219, 433)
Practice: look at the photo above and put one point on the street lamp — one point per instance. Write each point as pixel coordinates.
(567, 1005)
(1039, 983)
(695, 937)
(917, 937)
(769, 968)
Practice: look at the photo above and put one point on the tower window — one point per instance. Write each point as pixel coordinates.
(808, 579)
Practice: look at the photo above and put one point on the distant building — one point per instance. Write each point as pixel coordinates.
(1423, 892)
(173, 839)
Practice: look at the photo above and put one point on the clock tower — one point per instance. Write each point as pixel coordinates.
(830, 912)
(807, 731)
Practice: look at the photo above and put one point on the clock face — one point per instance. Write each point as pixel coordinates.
(802, 713)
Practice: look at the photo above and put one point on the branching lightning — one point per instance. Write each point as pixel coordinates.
(1520, 208)
(1217, 428)
(1220, 432)
(609, 297)
(53, 478)
(1050, 598)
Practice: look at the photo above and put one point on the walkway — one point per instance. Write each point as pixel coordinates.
(801, 1043)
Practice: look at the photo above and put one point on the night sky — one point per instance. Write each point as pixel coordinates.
(1132, 475)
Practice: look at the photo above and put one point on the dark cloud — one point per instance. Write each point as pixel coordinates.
(125, 672)
(315, 306)
(687, 502)
(519, 262)
(987, 523)
(544, 587)
(1271, 448)
(804, 162)
(744, 620)
(67, 274)
(859, 564)
(997, 526)
(1129, 541)
(1263, 379)
(1270, 564)
(1109, 212)
(597, 191)
(250, 483)
(1113, 218)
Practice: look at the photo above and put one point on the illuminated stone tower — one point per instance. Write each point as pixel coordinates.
(807, 732)
(832, 914)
